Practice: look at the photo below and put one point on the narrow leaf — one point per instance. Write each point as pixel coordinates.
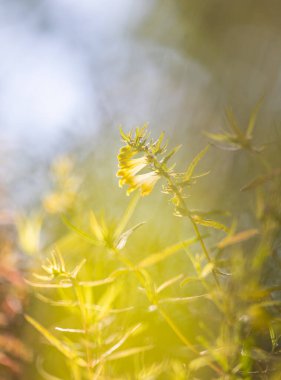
(207, 270)
(77, 269)
(124, 237)
(127, 215)
(237, 238)
(262, 180)
(50, 285)
(129, 352)
(72, 331)
(55, 342)
(92, 284)
(78, 231)
(219, 137)
(188, 280)
(166, 252)
(170, 155)
(123, 135)
(96, 228)
(233, 124)
(182, 299)
(194, 163)
(168, 283)
(253, 118)
(209, 223)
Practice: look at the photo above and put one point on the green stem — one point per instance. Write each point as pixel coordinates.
(85, 325)
(163, 313)
(201, 241)
(196, 229)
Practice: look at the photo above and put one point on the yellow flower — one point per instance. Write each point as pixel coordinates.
(129, 167)
(144, 182)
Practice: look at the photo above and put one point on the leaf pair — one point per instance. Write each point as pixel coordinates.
(237, 138)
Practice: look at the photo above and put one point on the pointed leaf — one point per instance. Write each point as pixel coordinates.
(188, 280)
(123, 135)
(233, 124)
(208, 268)
(92, 284)
(77, 269)
(237, 238)
(219, 137)
(62, 303)
(168, 283)
(127, 215)
(124, 237)
(194, 163)
(209, 223)
(253, 118)
(262, 180)
(78, 231)
(50, 285)
(95, 226)
(129, 352)
(170, 154)
(68, 330)
(55, 342)
(182, 299)
(166, 252)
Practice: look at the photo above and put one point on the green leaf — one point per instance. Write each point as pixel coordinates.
(62, 303)
(96, 227)
(219, 137)
(261, 180)
(123, 135)
(234, 125)
(107, 299)
(273, 337)
(168, 283)
(77, 269)
(110, 352)
(78, 231)
(127, 215)
(55, 342)
(237, 238)
(208, 268)
(124, 237)
(200, 362)
(170, 154)
(59, 285)
(93, 284)
(194, 163)
(166, 252)
(129, 352)
(253, 118)
(182, 299)
(43, 373)
(188, 280)
(69, 330)
(209, 223)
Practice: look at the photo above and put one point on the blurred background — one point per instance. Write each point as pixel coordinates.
(72, 72)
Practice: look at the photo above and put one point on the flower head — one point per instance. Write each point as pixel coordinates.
(129, 167)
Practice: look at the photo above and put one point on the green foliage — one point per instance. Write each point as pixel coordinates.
(192, 308)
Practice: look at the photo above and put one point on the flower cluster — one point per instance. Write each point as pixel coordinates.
(130, 166)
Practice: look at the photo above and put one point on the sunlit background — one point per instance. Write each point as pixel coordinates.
(73, 71)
